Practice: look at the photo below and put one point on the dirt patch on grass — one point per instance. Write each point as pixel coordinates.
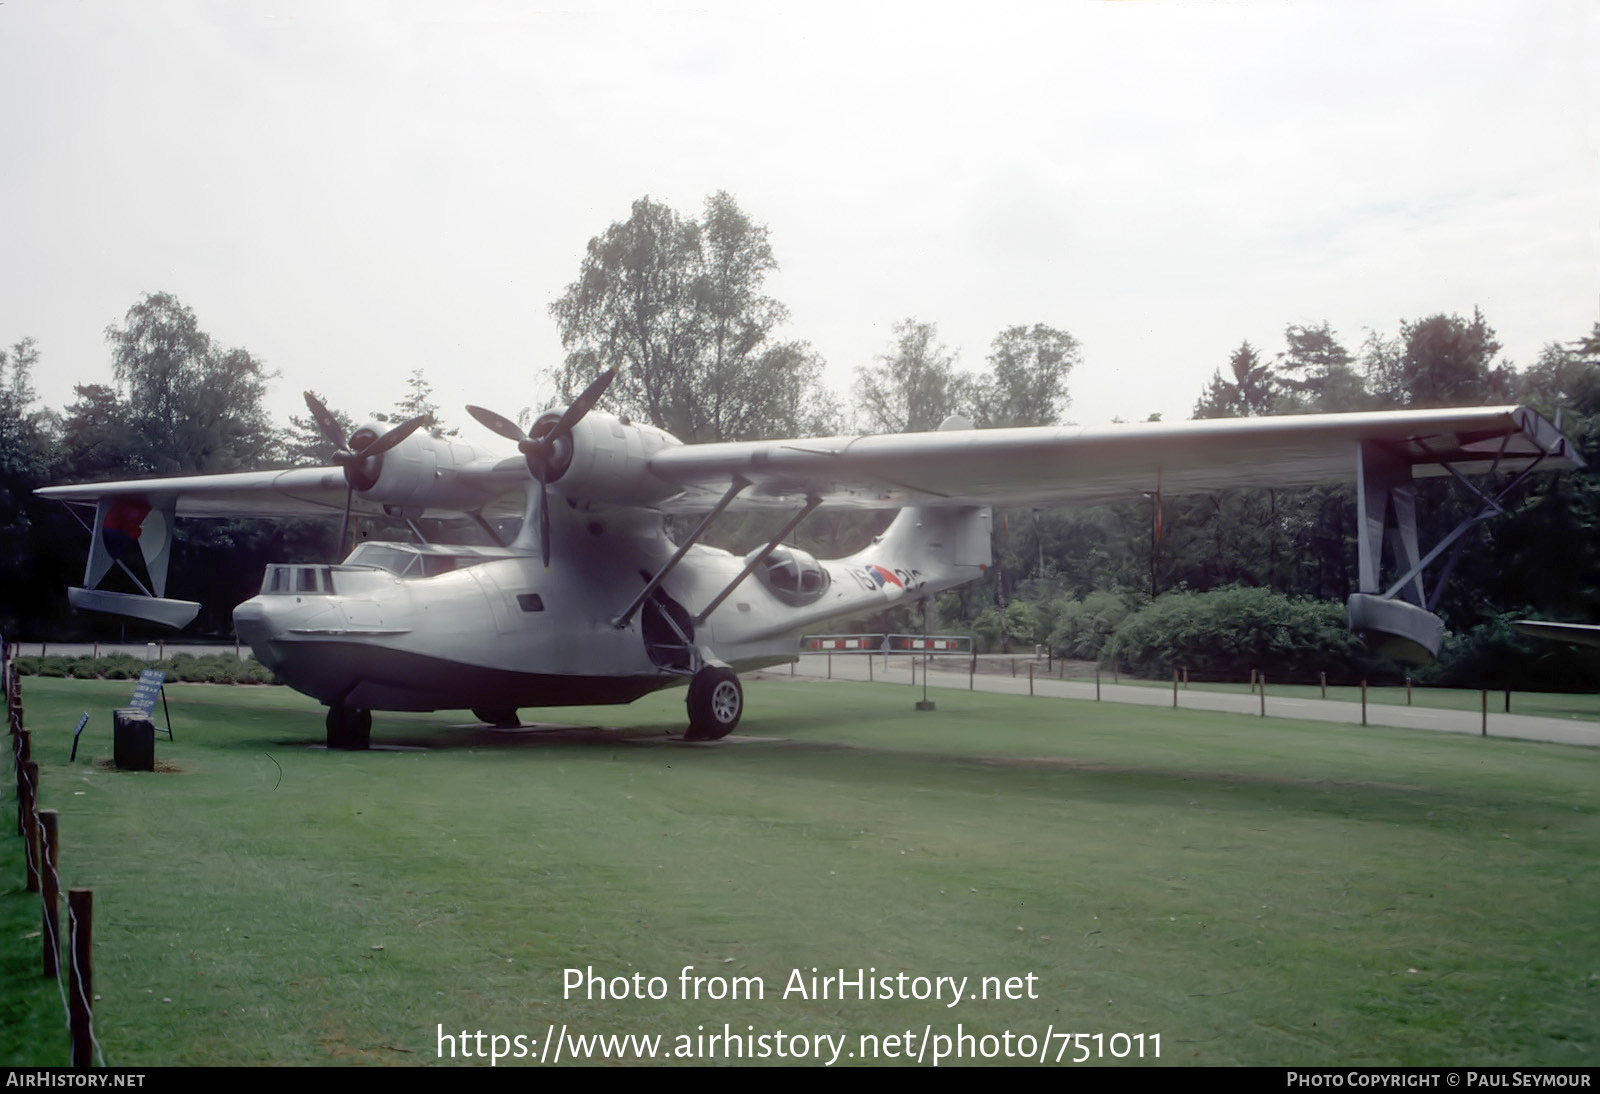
(165, 767)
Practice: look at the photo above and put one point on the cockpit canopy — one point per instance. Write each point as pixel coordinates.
(792, 575)
(403, 560)
(418, 560)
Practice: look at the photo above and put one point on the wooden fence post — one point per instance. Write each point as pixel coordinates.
(27, 805)
(50, 890)
(80, 979)
(21, 750)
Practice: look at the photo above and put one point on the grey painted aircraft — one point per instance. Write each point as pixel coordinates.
(593, 603)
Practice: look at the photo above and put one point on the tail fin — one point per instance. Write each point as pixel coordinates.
(934, 548)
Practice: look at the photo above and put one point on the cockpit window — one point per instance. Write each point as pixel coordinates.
(434, 565)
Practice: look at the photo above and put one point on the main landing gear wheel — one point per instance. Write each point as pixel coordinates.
(716, 700)
(499, 717)
(349, 730)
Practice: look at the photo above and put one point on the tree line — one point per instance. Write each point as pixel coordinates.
(679, 304)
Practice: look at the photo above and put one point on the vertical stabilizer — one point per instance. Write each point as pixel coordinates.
(932, 548)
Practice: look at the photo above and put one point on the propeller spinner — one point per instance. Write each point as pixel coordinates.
(547, 445)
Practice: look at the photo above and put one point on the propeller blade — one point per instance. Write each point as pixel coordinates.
(540, 449)
(326, 422)
(344, 525)
(544, 523)
(582, 404)
(394, 436)
(503, 426)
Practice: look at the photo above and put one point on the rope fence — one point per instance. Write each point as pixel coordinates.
(40, 830)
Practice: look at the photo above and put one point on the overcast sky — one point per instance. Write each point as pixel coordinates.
(352, 191)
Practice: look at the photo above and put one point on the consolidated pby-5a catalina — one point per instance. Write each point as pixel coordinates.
(592, 602)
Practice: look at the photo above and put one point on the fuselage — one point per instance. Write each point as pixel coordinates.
(407, 627)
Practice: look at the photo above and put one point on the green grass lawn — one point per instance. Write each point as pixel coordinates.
(1255, 891)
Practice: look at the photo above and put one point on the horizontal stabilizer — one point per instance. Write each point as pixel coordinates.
(1581, 634)
(152, 609)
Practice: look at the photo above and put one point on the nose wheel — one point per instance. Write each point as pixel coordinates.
(349, 730)
(716, 701)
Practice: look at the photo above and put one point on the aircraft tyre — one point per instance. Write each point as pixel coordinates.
(349, 730)
(716, 701)
(499, 717)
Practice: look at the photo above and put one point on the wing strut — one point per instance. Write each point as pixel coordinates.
(812, 501)
(739, 483)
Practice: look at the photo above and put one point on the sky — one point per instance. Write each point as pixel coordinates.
(355, 190)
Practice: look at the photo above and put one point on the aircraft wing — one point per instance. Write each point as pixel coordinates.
(297, 492)
(300, 492)
(1075, 465)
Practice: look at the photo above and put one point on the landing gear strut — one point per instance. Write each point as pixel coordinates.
(349, 729)
(716, 700)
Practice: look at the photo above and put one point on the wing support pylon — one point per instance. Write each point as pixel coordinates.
(1399, 620)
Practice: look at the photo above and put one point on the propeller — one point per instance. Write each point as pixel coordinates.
(352, 455)
(547, 445)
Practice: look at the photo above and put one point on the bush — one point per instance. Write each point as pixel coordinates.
(1222, 635)
(1084, 626)
(184, 668)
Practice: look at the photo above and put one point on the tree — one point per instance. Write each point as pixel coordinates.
(22, 437)
(1027, 381)
(95, 440)
(305, 446)
(1246, 393)
(1565, 376)
(1317, 373)
(418, 402)
(676, 305)
(192, 406)
(915, 386)
(1439, 361)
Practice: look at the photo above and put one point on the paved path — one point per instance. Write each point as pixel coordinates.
(133, 649)
(952, 675)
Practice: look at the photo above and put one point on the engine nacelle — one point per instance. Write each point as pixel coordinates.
(606, 459)
(423, 472)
